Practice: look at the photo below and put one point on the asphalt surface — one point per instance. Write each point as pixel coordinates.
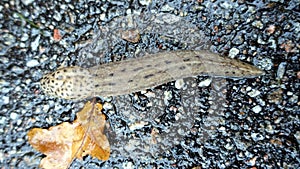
(196, 122)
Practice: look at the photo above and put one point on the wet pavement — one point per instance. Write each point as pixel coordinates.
(195, 122)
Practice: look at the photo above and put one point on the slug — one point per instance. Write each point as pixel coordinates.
(132, 75)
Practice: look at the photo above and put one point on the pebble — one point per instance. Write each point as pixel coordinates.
(8, 39)
(128, 165)
(167, 96)
(294, 99)
(281, 70)
(260, 41)
(32, 63)
(297, 136)
(14, 115)
(5, 100)
(27, 2)
(256, 109)
(257, 137)
(205, 82)
(258, 24)
(35, 43)
(24, 37)
(17, 69)
(233, 52)
(137, 125)
(272, 43)
(265, 63)
(254, 93)
(57, 16)
(107, 106)
(179, 84)
(2, 120)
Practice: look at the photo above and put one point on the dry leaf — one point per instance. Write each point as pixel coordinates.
(67, 141)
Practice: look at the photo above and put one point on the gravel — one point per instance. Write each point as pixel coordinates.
(195, 122)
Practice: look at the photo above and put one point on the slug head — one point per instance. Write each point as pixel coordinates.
(73, 83)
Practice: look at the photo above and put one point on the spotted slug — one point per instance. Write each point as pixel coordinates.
(132, 75)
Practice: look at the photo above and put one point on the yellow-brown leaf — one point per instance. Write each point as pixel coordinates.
(62, 143)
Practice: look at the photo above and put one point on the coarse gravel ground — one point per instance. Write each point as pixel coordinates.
(196, 122)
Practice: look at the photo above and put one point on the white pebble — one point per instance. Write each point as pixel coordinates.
(205, 83)
(137, 125)
(32, 63)
(248, 88)
(233, 52)
(256, 109)
(5, 99)
(14, 116)
(107, 106)
(27, 2)
(2, 120)
(179, 84)
(167, 96)
(128, 165)
(281, 70)
(254, 93)
(35, 44)
(17, 69)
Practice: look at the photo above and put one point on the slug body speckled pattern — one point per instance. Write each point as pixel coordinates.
(73, 83)
(132, 75)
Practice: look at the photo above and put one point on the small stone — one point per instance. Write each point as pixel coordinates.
(254, 93)
(269, 129)
(272, 43)
(265, 63)
(271, 29)
(128, 165)
(5, 99)
(14, 116)
(248, 88)
(17, 69)
(281, 70)
(229, 146)
(45, 108)
(252, 161)
(167, 96)
(32, 63)
(8, 39)
(205, 83)
(107, 106)
(179, 84)
(258, 24)
(222, 128)
(293, 99)
(233, 52)
(178, 116)
(256, 109)
(57, 16)
(24, 37)
(137, 125)
(27, 2)
(257, 136)
(297, 136)
(2, 120)
(167, 8)
(35, 43)
(260, 41)
(103, 17)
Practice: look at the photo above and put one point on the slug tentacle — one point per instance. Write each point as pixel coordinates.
(132, 75)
